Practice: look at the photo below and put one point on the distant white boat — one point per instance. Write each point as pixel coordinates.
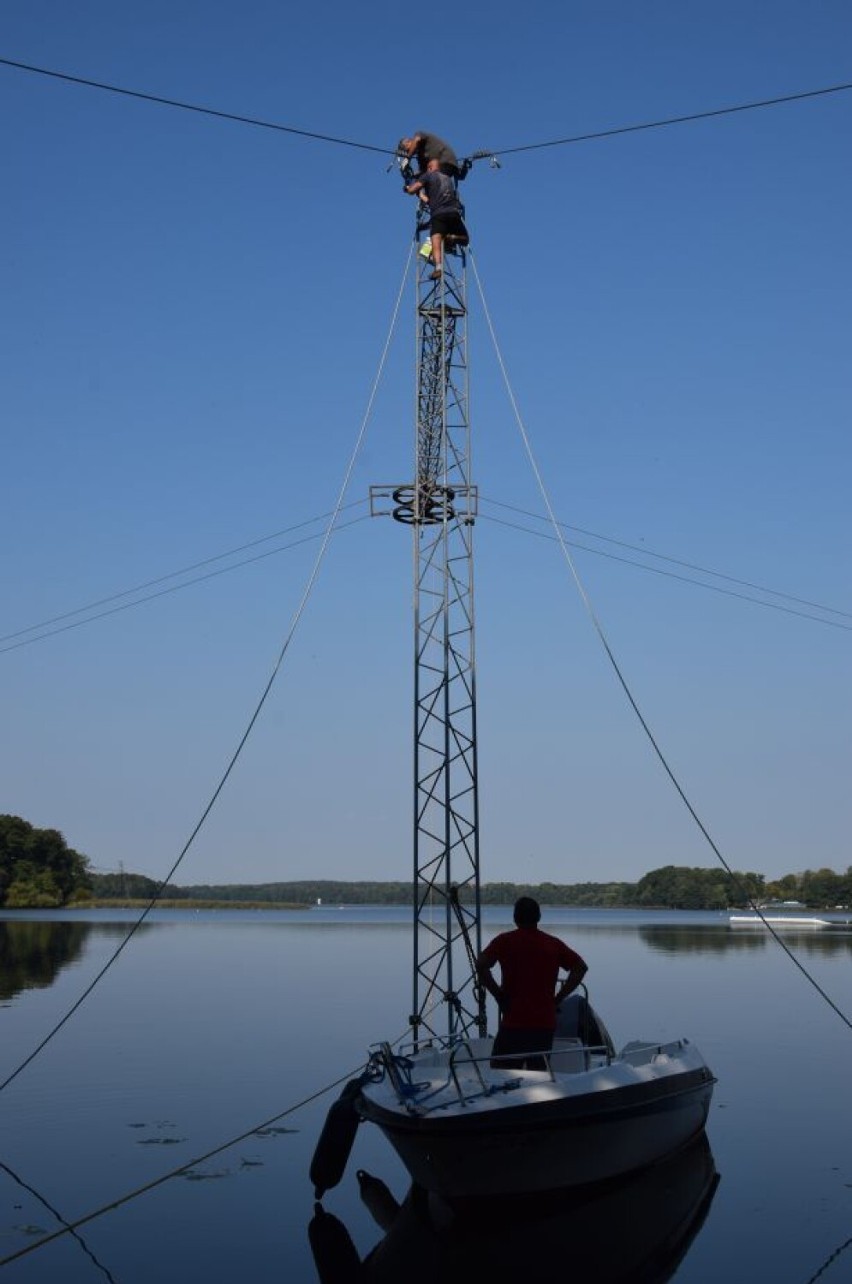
(776, 920)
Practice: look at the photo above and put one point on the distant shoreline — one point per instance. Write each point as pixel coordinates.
(173, 903)
(129, 902)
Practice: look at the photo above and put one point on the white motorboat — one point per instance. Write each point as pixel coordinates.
(467, 1129)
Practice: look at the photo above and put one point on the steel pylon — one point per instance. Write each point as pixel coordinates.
(440, 506)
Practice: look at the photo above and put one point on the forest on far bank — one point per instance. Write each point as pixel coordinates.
(671, 887)
(38, 870)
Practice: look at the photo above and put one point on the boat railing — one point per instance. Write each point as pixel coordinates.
(469, 1059)
(462, 1055)
(601, 1052)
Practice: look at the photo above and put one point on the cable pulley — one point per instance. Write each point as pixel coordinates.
(418, 505)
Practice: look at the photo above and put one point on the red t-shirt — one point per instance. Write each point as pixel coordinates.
(529, 963)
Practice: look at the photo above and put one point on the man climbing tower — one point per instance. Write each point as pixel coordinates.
(446, 223)
(424, 147)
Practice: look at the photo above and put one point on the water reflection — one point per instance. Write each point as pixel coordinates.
(33, 954)
(636, 1230)
(713, 939)
(34, 951)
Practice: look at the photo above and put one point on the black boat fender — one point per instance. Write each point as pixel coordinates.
(336, 1139)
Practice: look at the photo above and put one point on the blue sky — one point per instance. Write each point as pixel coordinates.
(193, 312)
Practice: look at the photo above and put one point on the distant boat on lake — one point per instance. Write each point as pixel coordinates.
(776, 920)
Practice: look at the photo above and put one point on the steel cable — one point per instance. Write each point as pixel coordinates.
(311, 581)
(590, 611)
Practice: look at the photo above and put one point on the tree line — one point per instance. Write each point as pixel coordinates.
(39, 870)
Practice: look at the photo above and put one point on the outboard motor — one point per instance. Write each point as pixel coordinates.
(577, 1019)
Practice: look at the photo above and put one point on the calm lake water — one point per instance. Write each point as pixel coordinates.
(211, 1024)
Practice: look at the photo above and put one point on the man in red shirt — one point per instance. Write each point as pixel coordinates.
(530, 961)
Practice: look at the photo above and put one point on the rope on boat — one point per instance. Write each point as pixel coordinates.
(478, 988)
(590, 611)
(285, 646)
(70, 1228)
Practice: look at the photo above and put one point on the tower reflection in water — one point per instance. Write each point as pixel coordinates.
(635, 1230)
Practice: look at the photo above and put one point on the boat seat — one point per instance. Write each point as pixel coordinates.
(573, 1018)
(568, 1056)
(577, 1019)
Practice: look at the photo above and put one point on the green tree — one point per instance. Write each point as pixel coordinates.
(37, 867)
(682, 887)
(822, 887)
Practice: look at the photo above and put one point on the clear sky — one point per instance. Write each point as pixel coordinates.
(192, 316)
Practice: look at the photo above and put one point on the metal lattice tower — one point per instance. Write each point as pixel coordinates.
(440, 506)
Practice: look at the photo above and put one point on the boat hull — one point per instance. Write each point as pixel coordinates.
(790, 921)
(550, 1132)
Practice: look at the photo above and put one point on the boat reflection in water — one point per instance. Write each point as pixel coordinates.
(833, 939)
(633, 1230)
